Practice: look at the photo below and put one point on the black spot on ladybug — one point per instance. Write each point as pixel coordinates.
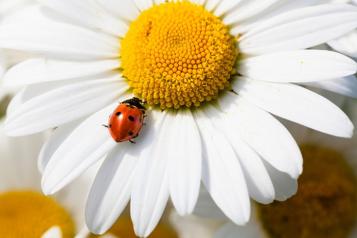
(131, 118)
(118, 114)
(130, 133)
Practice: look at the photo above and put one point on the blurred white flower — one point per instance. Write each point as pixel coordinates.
(24, 210)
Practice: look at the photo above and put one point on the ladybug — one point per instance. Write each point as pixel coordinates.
(127, 120)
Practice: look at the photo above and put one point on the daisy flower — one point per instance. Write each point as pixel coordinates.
(211, 73)
(327, 196)
(24, 210)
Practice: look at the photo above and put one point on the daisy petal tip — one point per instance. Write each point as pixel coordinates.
(13, 129)
(348, 130)
(8, 128)
(95, 228)
(10, 78)
(94, 223)
(295, 171)
(296, 174)
(267, 200)
(243, 218)
(9, 131)
(184, 211)
(139, 232)
(47, 187)
(143, 231)
(46, 191)
(348, 61)
(286, 197)
(186, 208)
(242, 221)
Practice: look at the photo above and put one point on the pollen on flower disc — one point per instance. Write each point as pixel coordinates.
(178, 54)
(30, 214)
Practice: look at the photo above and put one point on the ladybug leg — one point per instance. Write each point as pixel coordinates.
(131, 141)
(106, 126)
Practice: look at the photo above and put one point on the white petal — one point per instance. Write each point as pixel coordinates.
(30, 92)
(211, 4)
(260, 187)
(32, 13)
(296, 104)
(300, 29)
(298, 66)
(225, 6)
(242, 27)
(184, 148)
(9, 6)
(285, 186)
(198, 2)
(143, 4)
(52, 144)
(111, 190)
(63, 105)
(88, 14)
(151, 184)
(266, 135)
(89, 142)
(125, 9)
(346, 86)
(346, 44)
(42, 70)
(222, 174)
(60, 39)
(113, 185)
(248, 9)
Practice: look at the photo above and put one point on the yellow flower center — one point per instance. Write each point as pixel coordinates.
(123, 228)
(30, 214)
(325, 204)
(178, 54)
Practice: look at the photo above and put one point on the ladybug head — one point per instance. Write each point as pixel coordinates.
(136, 102)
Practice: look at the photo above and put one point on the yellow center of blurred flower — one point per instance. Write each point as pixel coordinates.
(30, 214)
(325, 204)
(178, 54)
(123, 228)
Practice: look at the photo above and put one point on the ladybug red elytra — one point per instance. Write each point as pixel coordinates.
(127, 120)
